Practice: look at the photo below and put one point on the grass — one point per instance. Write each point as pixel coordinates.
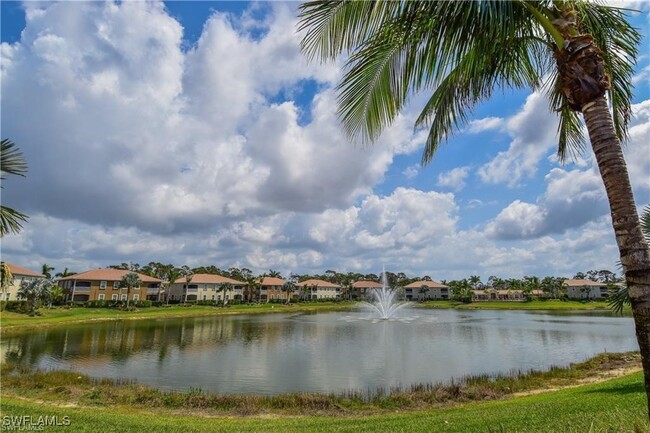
(532, 305)
(14, 322)
(78, 389)
(11, 321)
(616, 405)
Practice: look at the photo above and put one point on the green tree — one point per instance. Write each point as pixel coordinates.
(576, 51)
(188, 274)
(13, 162)
(35, 292)
(129, 282)
(47, 271)
(56, 295)
(289, 288)
(65, 273)
(224, 288)
(6, 280)
(170, 277)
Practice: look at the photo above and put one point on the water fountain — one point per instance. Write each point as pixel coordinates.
(384, 303)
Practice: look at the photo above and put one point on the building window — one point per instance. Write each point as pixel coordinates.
(136, 297)
(100, 297)
(123, 297)
(114, 296)
(116, 284)
(102, 285)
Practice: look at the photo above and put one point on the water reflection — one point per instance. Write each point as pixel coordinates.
(325, 352)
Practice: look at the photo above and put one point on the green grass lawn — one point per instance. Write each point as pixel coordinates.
(533, 305)
(614, 406)
(59, 315)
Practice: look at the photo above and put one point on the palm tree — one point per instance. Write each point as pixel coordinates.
(188, 274)
(225, 288)
(128, 282)
(12, 161)
(47, 271)
(56, 295)
(64, 273)
(576, 51)
(289, 287)
(6, 280)
(35, 291)
(172, 274)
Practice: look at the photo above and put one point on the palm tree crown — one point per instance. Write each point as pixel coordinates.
(13, 162)
(461, 51)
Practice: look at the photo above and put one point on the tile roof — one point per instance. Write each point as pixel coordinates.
(209, 279)
(19, 270)
(364, 284)
(108, 275)
(580, 283)
(271, 281)
(317, 283)
(429, 284)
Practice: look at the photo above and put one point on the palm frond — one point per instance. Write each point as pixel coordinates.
(618, 298)
(12, 160)
(645, 223)
(11, 220)
(571, 138)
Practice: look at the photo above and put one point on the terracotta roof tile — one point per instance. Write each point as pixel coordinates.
(209, 279)
(19, 270)
(317, 283)
(108, 275)
(364, 284)
(429, 284)
(580, 283)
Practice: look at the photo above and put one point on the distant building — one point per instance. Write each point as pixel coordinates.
(104, 285)
(319, 289)
(360, 289)
(20, 275)
(585, 289)
(425, 290)
(206, 287)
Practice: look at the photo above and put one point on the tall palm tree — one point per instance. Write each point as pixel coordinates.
(578, 52)
(47, 271)
(129, 282)
(6, 280)
(171, 275)
(65, 273)
(35, 291)
(13, 162)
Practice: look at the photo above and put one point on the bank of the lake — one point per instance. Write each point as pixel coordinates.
(604, 405)
(15, 322)
(11, 322)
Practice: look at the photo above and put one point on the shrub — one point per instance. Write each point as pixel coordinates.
(142, 303)
(18, 306)
(101, 303)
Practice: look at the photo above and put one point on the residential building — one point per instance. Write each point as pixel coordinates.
(361, 289)
(270, 288)
(104, 285)
(425, 290)
(498, 295)
(20, 275)
(206, 287)
(319, 289)
(585, 289)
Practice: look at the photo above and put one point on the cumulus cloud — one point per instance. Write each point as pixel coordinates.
(533, 131)
(454, 178)
(485, 124)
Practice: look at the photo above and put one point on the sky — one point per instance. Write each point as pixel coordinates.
(197, 133)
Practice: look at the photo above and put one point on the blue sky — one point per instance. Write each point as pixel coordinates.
(196, 133)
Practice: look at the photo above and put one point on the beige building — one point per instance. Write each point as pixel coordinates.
(206, 287)
(425, 290)
(361, 289)
(319, 289)
(20, 275)
(585, 289)
(104, 285)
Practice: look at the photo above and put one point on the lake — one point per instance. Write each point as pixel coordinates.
(321, 352)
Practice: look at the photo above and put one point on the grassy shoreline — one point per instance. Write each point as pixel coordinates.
(478, 405)
(14, 322)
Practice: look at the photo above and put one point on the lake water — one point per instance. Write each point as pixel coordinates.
(323, 352)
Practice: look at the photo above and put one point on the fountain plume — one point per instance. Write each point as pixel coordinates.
(384, 303)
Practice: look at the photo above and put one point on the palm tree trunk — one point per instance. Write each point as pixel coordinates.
(635, 256)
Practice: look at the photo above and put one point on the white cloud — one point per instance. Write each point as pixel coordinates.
(412, 171)
(454, 178)
(533, 132)
(486, 124)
